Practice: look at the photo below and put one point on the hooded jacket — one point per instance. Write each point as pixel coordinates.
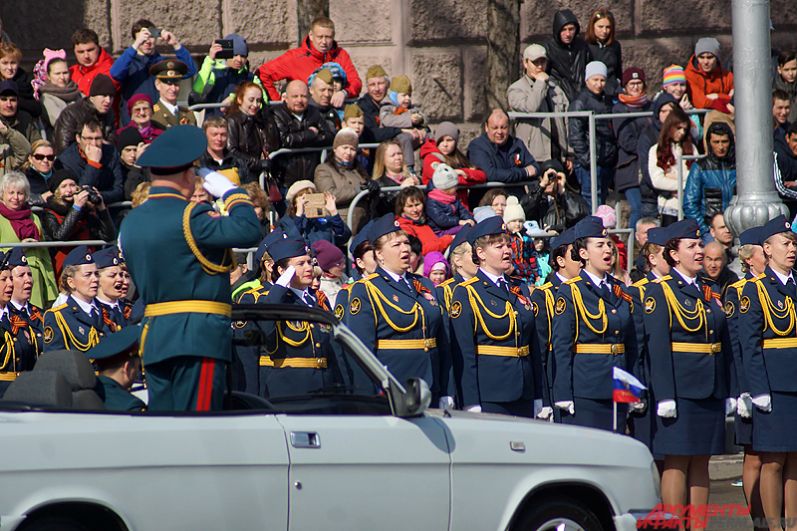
(699, 83)
(578, 130)
(299, 63)
(711, 183)
(567, 62)
(628, 131)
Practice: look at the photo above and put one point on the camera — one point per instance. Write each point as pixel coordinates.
(94, 197)
(154, 32)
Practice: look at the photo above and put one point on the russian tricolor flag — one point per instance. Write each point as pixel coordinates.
(627, 389)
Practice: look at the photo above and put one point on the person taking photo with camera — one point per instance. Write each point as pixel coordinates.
(550, 201)
(74, 212)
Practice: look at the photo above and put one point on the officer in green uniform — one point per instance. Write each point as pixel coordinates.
(118, 366)
(179, 256)
(166, 112)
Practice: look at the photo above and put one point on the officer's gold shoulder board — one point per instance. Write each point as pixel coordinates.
(744, 304)
(639, 283)
(456, 309)
(729, 309)
(561, 306)
(370, 277)
(572, 280)
(355, 306)
(662, 279)
(547, 285)
(739, 283)
(48, 334)
(470, 281)
(447, 281)
(650, 305)
(339, 312)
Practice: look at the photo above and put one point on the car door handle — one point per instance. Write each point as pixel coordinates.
(305, 439)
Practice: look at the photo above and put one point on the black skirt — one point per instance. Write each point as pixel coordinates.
(598, 414)
(698, 428)
(776, 431)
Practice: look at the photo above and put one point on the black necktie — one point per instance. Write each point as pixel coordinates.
(24, 312)
(606, 293)
(791, 288)
(503, 285)
(95, 315)
(308, 299)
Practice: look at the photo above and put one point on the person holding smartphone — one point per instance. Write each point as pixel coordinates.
(550, 202)
(132, 68)
(224, 68)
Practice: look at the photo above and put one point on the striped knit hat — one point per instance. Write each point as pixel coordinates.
(673, 74)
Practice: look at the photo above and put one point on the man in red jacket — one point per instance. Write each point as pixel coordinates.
(318, 48)
(91, 60)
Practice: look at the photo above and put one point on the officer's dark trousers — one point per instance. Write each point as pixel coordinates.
(186, 383)
(518, 408)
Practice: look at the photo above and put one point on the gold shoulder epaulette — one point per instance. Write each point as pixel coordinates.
(58, 308)
(572, 280)
(662, 279)
(369, 277)
(739, 283)
(762, 275)
(447, 281)
(547, 285)
(470, 281)
(641, 282)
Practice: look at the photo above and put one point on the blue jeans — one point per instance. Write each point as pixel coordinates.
(634, 198)
(605, 176)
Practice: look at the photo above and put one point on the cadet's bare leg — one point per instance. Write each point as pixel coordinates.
(673, 483)
(772, 487)
(698, 488)
(751, 475)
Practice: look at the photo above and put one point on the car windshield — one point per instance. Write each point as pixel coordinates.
(304, 365)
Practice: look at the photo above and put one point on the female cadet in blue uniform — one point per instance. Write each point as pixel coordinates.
(77, 324)
(17, 346)
(767, 329)
(115, 310)
(642, 420)
(689, 353)
(298, 357)
(593, 332)
(563, 268)
(364, 264)
(461, 258)
(493, 323)
(395, 313)
(20, 300)
(754, 263)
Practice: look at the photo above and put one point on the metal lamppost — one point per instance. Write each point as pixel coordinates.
(756, 201)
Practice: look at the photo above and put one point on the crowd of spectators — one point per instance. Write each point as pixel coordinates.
(71, 134)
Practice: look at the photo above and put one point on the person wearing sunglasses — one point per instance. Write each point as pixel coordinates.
(166, 112)
(38, 169)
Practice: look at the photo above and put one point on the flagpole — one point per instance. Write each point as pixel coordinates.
(614, 420)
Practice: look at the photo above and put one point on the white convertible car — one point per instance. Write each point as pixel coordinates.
(349, 456)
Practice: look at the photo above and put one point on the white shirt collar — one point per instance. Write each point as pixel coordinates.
(85, 306)
(596, 280)
(106, 302)
(19, 306)
(493, 278)
(689, 280)
(397, 278)
(172, 108)
(4, 312)
(560, 277)
(783, 278)
(299, 293)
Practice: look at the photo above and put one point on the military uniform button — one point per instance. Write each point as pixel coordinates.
(318, 345)
(708, 310)
(614, 310)
(711, 331)
(617, 332)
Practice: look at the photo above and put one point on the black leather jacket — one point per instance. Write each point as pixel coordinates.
(295, 133)
(249, 137)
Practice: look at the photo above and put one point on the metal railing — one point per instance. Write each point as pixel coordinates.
(293, 151)
(591, 117)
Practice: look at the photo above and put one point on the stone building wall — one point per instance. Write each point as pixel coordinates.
(456, 51)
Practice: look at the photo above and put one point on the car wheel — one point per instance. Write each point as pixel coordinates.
(558, 515)
(55, 524)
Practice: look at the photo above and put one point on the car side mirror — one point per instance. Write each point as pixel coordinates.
(415, 400)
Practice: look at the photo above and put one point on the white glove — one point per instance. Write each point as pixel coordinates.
(285, 278)
(545, 413)
(638, 407)
(446, 402)
(474, 409)
(567, 405)
(763, 402)
(666, 409)
(744, 406)
(537, 406)
(215, 183)
(730, 406)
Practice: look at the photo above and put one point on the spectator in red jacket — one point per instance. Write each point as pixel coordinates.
(710, 85)
(319, 47)
(91, 60)
(412, 220)
(442, 148)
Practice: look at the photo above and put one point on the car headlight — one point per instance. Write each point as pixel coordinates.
(654, 472)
